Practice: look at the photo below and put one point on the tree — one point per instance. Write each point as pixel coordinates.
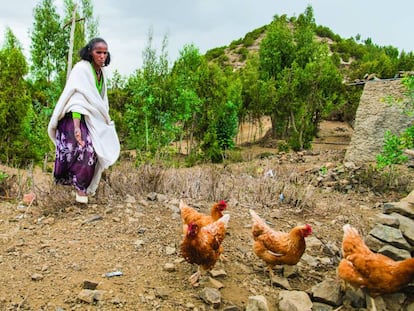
(15, 106)
(277, 48)
(300, 77)
(148, 115)
(48, 47)
(185, 77)
(86, 26)
(276, 54)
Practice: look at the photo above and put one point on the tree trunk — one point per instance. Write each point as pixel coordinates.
(72, 35)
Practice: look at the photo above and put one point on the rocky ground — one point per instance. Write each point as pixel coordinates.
(55, 254)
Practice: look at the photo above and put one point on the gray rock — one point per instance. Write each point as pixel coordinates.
(406, 227)
(310, 260)
(403, 208)
(409, 198)
(169, 267)
(257, 303)
(129, 199)
(152, 196)
(313, 243)
(356, 297)
(328, 291)
(215, 273)
(290, 271)
(37, 276)
(394, 253)
(86, 295)
(161, 197)
(281, 282)
(162, 292)
(388, 220)
(211, 296)
(170, 250)
(215, 283)
(317, 306)
(394, 302)
(373, 117)
(91, 296)
(374, 244)
(294, 301)
(88, 284)
(390, 235)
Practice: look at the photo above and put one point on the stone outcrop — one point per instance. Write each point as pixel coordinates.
(374, 117)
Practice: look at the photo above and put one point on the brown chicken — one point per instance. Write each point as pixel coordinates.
(375, 273)
(276, 247)
(189, 214)
(202, 245)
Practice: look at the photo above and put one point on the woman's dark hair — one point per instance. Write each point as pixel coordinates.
(85, 52)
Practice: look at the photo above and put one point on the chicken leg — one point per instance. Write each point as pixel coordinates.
(193, 279)
(372, 300)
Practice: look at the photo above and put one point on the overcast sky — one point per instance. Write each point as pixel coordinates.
(207, 24)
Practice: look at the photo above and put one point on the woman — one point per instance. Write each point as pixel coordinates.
(81, 128)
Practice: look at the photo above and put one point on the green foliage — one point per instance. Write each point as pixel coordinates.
(48, 47)
(409, 84)
(276, 49)
(3, 176)
(326, 32)
(118, 97)
(294, 79)
(300, 77)
(215, 53)
(227, 126)
(149, 116)
(252, 36)
(235, 43)
(392, 151)
(282, 146)
(243, 52)
(15, 108)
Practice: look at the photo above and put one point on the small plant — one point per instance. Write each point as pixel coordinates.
(282, 146)
(323, 170)
(3, 176)
(393, 150)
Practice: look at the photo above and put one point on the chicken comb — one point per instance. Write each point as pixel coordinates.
(223, 203)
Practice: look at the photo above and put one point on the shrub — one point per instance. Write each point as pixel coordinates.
(393, 150)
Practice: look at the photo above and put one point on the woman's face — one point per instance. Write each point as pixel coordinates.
(99, 54)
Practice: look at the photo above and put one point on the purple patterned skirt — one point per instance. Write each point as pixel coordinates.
(74, 165)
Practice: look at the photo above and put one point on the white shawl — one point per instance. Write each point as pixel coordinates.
(81, 95)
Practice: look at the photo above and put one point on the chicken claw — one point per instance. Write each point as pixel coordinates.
(193, 279)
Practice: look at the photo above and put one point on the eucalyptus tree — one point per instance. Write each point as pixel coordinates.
(255, 91)
(86, 24)
(185, 76)
(148, 114)
(48, 47)
(276, 55)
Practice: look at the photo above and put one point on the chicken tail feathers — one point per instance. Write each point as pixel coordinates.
(182, 204)
(259, 225)
(225, 220)
(349, 230)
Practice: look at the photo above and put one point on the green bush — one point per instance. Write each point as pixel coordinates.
(393, 150)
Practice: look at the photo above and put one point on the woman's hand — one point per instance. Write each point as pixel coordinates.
(78, 136)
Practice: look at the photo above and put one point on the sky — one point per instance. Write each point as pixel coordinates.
(207, 24)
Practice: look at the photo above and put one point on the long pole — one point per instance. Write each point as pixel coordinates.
(72, 35)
